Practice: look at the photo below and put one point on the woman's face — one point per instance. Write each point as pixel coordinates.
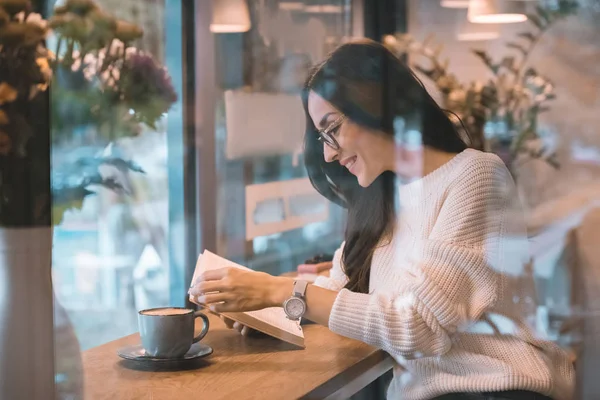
(366, 153)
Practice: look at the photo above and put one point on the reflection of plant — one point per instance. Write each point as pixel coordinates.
(98, 79)
(516, 94)
(110, 84)
(119, 85)
(146, 88)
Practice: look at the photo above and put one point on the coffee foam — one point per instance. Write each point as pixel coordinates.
(167, 311)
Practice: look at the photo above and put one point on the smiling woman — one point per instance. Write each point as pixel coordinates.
(425, 272)
(371, 96)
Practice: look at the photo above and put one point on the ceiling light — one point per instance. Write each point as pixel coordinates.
(497, 11)
(455, 3)
(467, 31)
(230, 16)
(291, 5)
(324, 9)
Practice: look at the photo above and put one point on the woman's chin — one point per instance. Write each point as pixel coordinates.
(364, 181)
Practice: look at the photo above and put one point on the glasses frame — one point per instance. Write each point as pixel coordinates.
(326, 135)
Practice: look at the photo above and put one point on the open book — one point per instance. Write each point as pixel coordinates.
(271, 321)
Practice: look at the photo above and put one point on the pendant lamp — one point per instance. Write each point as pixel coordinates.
(230, 16)
(497, 11)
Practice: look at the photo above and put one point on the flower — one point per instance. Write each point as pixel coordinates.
(110, 77)
(390, 40)
(8, 94)
(89, 64)
(4, 17)
(92, 63)
(126, 32)
(5, 143)
(539, 81)
(103, 20)
(14, 7)
(22, 34)
(3, 118)
(458, 96)
(116, 48)
(36, 19)
(44, 66)
(147, 87)
(78, 7)
(72, 26)
(32, 18)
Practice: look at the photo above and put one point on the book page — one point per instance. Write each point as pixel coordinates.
(274, 316)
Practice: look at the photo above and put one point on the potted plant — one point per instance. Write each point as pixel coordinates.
(26, 319)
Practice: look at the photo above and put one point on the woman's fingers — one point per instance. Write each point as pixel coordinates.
(241, 328)
(238, 327)
(228, 322)
(213, 298)
(202, 287)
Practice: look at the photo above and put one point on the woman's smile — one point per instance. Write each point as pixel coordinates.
(350, 163)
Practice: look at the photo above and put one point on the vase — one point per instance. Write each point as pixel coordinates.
(26, 314)
(40, 354)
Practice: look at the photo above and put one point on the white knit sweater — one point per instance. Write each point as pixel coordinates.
(448, 295)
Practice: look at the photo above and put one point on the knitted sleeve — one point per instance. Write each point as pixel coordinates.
(451, 282)
(337, 279)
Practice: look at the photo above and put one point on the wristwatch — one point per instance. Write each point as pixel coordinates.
(295, 306)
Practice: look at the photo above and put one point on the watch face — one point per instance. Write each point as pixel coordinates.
(295, 307)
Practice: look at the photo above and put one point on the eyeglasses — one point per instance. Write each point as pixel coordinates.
(326, 135)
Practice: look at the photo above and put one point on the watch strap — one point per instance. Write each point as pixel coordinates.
(300, 288)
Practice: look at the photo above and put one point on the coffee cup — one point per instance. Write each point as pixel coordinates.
(168, 332)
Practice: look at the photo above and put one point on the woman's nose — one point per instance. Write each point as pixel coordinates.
(329, 153)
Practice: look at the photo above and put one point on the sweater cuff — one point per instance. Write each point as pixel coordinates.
(322, 282)
(348, 313)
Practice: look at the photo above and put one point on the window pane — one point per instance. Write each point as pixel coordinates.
(269, 216)
(115, 119)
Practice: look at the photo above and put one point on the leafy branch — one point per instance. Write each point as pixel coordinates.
(516, 94)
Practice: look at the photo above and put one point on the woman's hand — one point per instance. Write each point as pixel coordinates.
(242, 329)
(234, 290)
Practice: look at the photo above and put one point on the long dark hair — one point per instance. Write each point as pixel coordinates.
(372, 87)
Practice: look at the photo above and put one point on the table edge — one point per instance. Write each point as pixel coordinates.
(349, 382)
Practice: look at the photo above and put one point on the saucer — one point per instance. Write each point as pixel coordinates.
(137, 354)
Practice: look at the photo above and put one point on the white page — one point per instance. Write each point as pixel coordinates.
(274, 316)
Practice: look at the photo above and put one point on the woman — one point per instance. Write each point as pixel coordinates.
(424, 272)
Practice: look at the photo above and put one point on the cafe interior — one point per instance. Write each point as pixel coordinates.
(163, 130)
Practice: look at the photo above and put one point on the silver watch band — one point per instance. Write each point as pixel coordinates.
(300, 288)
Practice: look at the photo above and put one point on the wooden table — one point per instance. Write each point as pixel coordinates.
(258, 367)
